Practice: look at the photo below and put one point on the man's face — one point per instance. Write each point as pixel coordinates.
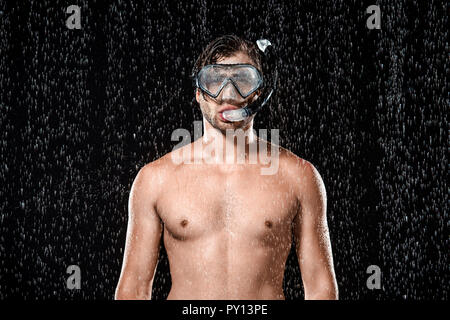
(228, 98)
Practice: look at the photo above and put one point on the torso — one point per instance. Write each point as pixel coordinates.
(227, 233)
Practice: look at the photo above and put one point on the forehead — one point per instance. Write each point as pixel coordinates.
(238, 57)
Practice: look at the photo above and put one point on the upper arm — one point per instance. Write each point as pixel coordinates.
(143, 238)
(312, 239)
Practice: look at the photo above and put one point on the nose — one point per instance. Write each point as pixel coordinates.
(229, 92)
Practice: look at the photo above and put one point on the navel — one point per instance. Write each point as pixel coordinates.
(268, 224)
(184, 223)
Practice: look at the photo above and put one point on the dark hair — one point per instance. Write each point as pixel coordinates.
(226, 46)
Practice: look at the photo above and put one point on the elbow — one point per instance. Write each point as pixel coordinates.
(331, 294)
(120, 294)
(132, 293)
(322, 295)
(323, 291)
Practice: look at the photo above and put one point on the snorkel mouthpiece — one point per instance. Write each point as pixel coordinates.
(236, 115)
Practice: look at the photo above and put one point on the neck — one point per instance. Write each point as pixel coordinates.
(234, 144)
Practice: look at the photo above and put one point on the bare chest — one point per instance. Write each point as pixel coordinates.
(251, 206)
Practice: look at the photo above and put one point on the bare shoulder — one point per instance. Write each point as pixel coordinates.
(292, 165)
(150, 179)
(156, 174)
(302, 174)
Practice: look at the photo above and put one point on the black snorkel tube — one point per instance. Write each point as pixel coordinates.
(270, 84)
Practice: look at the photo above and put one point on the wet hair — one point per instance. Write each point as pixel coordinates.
(226, 46)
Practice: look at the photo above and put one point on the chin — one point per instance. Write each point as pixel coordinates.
(231, 124)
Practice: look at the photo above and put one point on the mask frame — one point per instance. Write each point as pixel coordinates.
(198, 82)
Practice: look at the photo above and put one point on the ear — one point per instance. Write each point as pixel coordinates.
(197, 95)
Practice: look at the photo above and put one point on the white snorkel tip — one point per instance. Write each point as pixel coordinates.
(235, 115)
(263, 44)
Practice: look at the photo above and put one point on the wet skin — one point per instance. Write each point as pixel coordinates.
(227, 228)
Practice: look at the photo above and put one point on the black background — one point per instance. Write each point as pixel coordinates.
(83, 110)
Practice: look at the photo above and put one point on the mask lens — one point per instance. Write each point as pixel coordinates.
(212, 79)
(247, 80)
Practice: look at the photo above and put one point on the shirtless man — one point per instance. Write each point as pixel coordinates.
(227, 228)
